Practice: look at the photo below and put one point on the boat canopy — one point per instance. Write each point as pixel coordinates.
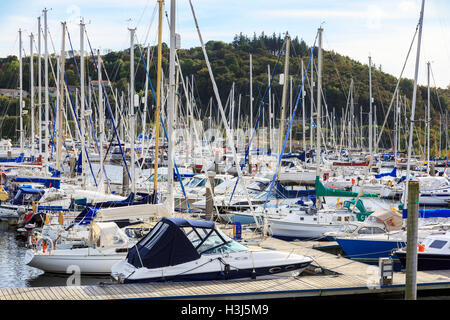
(107, 235)
(27, 194)
(175, 241)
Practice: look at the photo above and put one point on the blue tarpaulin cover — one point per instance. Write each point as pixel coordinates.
(166, 244)
(429, 213)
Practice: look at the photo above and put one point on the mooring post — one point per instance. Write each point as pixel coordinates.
(210, 195)
(411, 241)
(125, 181)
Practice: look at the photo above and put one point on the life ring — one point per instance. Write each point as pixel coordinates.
(389, 183)
(44, 244)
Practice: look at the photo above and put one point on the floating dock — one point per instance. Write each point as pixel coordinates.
(329, 275)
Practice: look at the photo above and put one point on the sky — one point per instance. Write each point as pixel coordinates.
(382, 29)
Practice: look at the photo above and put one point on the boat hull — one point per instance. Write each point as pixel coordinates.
(427, 261)
(66, 264)
(369, 249)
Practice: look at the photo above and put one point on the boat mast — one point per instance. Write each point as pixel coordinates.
(101, 115)
(158, 99)
(319, 103)
(132, 116)
(270, 108)
(370, 107)
(311, 133)
(60, 108)
(82, 107)
(428, 117)
(32, 94)
(283, 98)
(20, 91)
(413, 106)
(144, 116)
(171, 107)
(46, 93)
(39, 88)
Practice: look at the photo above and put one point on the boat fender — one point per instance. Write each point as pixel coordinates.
(421, 247)
(44, 244)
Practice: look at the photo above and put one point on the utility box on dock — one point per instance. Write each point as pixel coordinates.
(386, 266)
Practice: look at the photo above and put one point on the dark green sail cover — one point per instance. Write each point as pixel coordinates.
(322, 191)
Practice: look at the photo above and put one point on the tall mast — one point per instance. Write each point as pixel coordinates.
(270, 108)
(251, 93)
(21, 91)
(82, 106)
(101, 115)
(158, 98)
(319, 103)
(144, 116)
(47, 122)
(60, 108)
(303, 110)
(284, 96)
(32, 94)
(311, 133)
(428, 118)
(370, 107)
(413, 105)
(171, 107)
(39, 88)
(132, 106)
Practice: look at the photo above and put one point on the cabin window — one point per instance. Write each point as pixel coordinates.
(370, 230)
(301, 218)
(155, 234)
(438, 244)
(339, 218)
(346, 218)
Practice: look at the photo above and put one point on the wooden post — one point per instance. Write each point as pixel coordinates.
(125, 181)
(411, 241)
(209, 196)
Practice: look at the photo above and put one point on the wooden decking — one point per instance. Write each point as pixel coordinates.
(343, 277)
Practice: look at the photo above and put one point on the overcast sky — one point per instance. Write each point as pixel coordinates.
(382, 29)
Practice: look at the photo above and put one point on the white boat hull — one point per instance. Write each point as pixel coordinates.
(94, 264)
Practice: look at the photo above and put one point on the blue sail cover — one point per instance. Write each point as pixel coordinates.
(166, 244)
(282, 192)
(19, 159)
(84, 217)
(429, 213)
(393, 173)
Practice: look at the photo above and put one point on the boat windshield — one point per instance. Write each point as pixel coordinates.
(212, 241)
(161, 178)
(196, 182)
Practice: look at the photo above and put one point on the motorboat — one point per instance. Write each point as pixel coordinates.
(94, 242)
(433, 253)
(178, 249)
(106, 247)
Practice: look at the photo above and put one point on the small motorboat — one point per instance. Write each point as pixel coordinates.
(179, 249)
(433, 253)
(107, 245)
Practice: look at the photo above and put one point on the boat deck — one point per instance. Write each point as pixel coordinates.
(329, 275)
